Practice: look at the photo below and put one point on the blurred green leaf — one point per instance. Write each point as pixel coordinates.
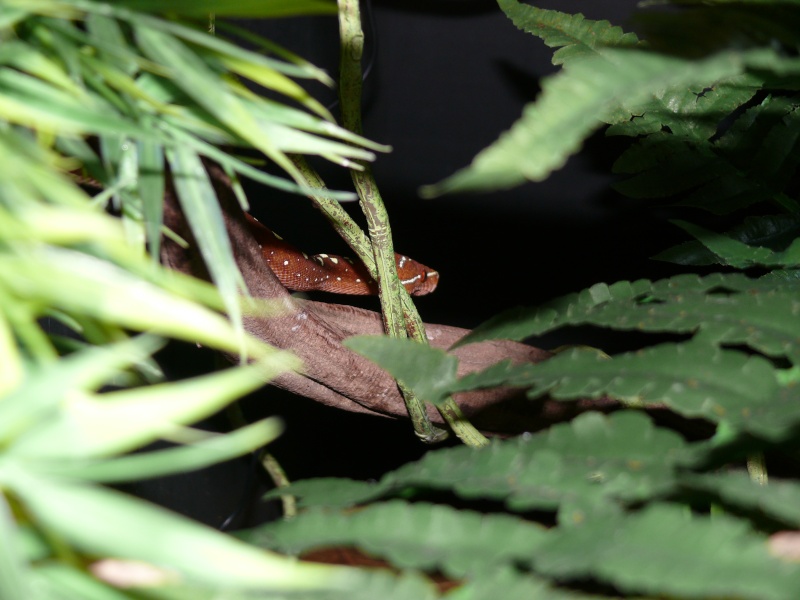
(334, 492)
(666, 551)
(514, 586)
(98, 521)
(780, 499)
(234, 8)
(83, 284)
(594, 460)
(45, 387)
(120, 421)
(56, 580)
(14, 570)
(419, 535)
(181, 459)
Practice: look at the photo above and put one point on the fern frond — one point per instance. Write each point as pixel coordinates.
(730, 308)
(574, 103)
(594, 460)
(774, 232)
(666, 551)
(752, 161)
(574, 35)
(410, 536)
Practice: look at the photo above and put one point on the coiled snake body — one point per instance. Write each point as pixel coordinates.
(330, 273)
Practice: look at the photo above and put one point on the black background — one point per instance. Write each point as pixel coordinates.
(446, 78)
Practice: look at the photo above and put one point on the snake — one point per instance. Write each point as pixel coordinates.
(300, 272)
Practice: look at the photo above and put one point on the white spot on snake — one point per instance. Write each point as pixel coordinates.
(334, 260)
(304, 255)
(285, 263)
(322, 255)
(338, 279)
(277, 236)
(358, 281)
(302, 316)
(319, 259)
(402, 262)
(412, 280)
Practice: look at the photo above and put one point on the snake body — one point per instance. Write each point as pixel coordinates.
(330, 273)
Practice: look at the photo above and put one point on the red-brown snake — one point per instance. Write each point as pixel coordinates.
(330, 273)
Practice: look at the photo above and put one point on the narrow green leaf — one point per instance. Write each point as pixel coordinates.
(121, 421)
(56, 580)
(103, 522)
(11, 368)
(410, 536)
(14, 570)
(84, 285)
(428, 371)
(202, 210)
(31, 102)
(107, 33)
(180, 459)
(192, 74)
(234, 8)
(151, 189)
(775, 419)
(45, 387)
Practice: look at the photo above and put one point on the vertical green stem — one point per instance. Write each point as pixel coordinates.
(279, 478)
(399, 313)
(380, 233)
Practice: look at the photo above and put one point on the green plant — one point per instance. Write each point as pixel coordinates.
(618, 504)
(123, 93)
(628, 503)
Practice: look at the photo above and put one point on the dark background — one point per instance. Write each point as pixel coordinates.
(446, 78)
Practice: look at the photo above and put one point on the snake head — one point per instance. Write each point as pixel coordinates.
(416, 277)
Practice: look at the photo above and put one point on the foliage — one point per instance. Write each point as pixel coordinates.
(626, 504)
(120, 93)
(678, 492)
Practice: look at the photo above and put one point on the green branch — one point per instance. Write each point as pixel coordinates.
(399, 313)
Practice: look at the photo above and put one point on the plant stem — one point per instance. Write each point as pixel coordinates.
(279, 478)
(380, 233)
(757, 468)
(399, 314)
